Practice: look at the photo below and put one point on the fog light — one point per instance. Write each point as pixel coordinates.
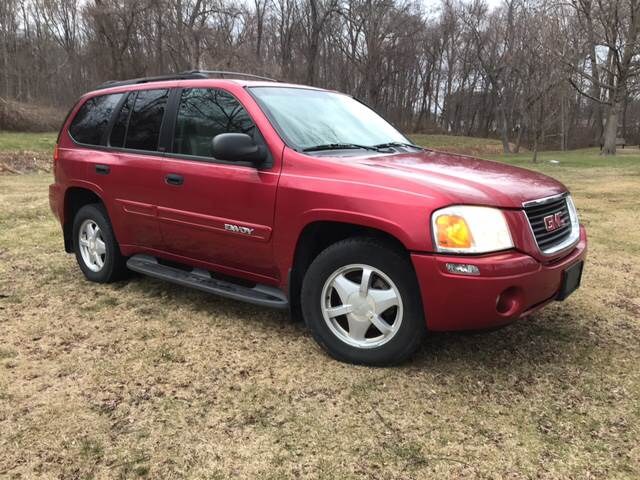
(462, 269)
(509, 301)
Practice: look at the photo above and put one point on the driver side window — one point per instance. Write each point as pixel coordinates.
(204, 113)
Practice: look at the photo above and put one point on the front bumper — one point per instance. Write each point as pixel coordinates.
(510, 285)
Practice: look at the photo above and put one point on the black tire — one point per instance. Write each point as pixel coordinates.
(114, 267)
(395, 265)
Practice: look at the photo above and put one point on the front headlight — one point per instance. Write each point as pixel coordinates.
(470, 229)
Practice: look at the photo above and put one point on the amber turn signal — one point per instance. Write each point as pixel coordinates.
(453, 232)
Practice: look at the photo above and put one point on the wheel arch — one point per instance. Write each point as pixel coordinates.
(75, 198)
(317, 236)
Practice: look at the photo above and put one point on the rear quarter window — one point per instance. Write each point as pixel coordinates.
(90, 123)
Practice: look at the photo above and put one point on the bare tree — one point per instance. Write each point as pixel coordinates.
(459, 67)
(608, 60)
(315, 16)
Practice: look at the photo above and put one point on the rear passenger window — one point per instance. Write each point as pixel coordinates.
(205, 113)
(146, 119)
(92, 120)
(119, 129)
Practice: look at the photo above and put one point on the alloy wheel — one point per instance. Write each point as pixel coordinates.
(362, 306)
(92, 247)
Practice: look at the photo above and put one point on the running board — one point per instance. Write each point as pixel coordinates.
(262, 295)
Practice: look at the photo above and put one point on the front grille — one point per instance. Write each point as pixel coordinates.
(537, 212)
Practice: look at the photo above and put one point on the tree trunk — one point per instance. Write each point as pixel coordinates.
(5, 66)
(536, 137)
(312, 58)
(313, 42)
(611, 131)
(563, 133)
(259, 29)
(519, 139)
(625, 105)
(159, 42)
(504, 135)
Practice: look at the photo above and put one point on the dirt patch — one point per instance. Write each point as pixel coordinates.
(24, 162)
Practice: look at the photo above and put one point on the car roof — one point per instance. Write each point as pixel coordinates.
(142, 84)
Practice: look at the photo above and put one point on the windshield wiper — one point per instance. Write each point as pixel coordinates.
(396, 144)
(340, 146)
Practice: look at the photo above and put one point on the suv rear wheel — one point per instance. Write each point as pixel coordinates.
(361, 302)
(95, 246)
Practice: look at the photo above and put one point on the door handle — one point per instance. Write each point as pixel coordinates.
(174, 179)
(102, 169)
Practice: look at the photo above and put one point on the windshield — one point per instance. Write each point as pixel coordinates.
(311, 118)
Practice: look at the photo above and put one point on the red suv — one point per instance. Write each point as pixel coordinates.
(305, 199)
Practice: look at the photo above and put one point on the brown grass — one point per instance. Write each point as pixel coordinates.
(460, 144)
(146, 379)
(22, 152)
(24, 162)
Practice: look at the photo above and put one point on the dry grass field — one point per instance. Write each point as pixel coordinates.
(144, 379)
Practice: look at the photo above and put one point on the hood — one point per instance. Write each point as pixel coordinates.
(465, 180)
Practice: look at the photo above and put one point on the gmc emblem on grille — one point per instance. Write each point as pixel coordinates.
(553, 222)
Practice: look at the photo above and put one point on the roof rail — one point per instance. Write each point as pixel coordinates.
(159, 78)
(224, 74)
(189, 75)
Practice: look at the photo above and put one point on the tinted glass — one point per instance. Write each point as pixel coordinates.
(92, 120)
(119, 129)
(144, 125)
(315, 117)
(205, 113)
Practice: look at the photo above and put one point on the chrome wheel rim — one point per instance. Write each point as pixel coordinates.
(361, 306)
(92, 247)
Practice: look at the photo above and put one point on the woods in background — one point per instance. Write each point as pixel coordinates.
(532, 73)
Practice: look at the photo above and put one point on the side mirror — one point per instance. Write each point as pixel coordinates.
(237, 147)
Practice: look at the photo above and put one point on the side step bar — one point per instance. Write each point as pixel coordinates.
(262, 295)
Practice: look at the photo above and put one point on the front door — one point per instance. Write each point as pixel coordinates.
(213, 211)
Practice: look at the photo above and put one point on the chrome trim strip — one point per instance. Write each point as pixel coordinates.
(541, 201)
(574, 236)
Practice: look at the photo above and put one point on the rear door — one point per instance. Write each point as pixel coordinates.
(134, 179)
(214, 211)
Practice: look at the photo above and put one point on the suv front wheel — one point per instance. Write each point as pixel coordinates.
(95, 246)
(361, 302)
